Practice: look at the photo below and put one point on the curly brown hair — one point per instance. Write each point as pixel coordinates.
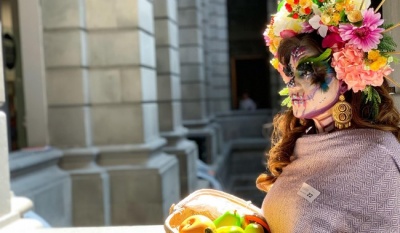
(288, 128)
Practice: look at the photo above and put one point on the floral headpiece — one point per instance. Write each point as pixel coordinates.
(354, 36)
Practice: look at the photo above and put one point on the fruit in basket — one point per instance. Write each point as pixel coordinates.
(197, 224)
(229, 218)
(255, 218)
(254, 228)
(230, 229)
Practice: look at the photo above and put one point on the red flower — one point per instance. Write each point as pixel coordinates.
(307, 10)
(296, 1)
(295, 16)
(321, 0)
(288, 7)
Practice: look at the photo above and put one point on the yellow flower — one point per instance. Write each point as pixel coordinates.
(325, 18)
(339, 6)
(335, 19)
(305, 3)
(354, 16)
(275, 63)
(373, 55)
(379, 63)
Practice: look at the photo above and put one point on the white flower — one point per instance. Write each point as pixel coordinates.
(315, 22)
(366, 4)
(282, 21)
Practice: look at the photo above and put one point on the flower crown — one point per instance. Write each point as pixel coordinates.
(354, 36)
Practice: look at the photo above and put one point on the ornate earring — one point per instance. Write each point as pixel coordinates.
(342, 113)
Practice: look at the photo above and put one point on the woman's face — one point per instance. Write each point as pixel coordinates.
(310, 100)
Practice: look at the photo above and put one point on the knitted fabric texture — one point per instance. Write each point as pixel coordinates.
(357, 173)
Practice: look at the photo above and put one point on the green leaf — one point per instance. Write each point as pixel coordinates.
(281, 4)
(387, 44)
(372, 96)
(284, 92)
(322, 57)
(287, 102)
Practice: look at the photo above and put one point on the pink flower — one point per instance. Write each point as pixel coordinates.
(287, 33)
(368, 35)
(332, 40)
(349, 66)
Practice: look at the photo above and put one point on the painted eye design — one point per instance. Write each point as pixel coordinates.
(305, 70)
(288, 71)
(291, 83)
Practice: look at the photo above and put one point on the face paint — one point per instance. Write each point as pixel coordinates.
(309, 100)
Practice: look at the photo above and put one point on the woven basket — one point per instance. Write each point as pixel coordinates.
(209, 202)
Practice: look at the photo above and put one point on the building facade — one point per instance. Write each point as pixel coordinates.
(119, 101)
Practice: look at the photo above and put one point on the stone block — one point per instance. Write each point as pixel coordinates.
(190, 36)
(68, 127)
(169, 116)
(221, 80)
(189, 18)
(146, 198)
(138, 84)
(167, 60)
(168, 87)
(193, 91)
(62, 14)
(49, 188)
(221, 57)
(166, 33)
(193, 110)
(64, 48)
(105, 86)
(187, 154)
(166, 9)
(117, 124)
(66, 86)
(124, 124)
(165, 116)
(150, 122)
(220, 105)
(189, 4)
(4, 169)
(190, 72)
(100, 14)
(119, 48)
(90, 192)
(191, 54)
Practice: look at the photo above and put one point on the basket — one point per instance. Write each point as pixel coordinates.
(208, 202)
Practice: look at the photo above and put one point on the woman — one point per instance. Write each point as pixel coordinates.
(334, 165)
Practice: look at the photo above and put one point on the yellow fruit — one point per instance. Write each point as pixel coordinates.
(197, 224)
(230, 229)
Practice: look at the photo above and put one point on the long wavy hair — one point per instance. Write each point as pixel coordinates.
(288, 128)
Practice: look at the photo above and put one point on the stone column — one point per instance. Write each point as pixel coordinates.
(219, 85)
(193, 83)
(5, 206)
(109, 127)
(169, 94)
(390, 14)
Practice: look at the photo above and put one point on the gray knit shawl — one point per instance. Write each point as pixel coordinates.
(357, 173)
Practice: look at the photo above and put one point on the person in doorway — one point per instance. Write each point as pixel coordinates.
(246, 103)
(334, 164)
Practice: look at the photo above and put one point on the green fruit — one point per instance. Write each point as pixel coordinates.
(230, 229)
(229, 218)
(254, 228)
